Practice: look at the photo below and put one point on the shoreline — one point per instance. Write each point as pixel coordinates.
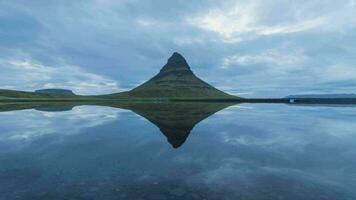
(172, 100)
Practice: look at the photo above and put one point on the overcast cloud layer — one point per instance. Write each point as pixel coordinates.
(250, 47)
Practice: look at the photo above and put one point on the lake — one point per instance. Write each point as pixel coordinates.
(177, 151)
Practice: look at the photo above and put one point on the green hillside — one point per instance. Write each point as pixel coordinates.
(175, 80)
(14, 95)
(23, 94)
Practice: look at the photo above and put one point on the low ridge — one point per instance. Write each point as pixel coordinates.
(176, 80)
(55, 91)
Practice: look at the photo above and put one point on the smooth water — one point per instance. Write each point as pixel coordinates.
(245, 151)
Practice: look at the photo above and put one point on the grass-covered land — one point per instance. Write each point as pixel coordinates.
(13, 95)
(22, 96)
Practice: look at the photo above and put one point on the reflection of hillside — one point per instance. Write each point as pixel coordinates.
(175, 120)
(42, 106)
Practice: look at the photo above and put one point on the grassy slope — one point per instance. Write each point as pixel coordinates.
(175, 81)
(23, 94)
(174, 86)
(13, 95)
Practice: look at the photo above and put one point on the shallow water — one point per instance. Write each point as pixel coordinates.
(179, 151)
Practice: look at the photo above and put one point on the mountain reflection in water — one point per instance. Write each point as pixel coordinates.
(175, 120)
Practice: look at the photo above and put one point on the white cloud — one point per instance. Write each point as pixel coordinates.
(145, 22)
(245, 20)
(31, 75)
(300, 26)
(226, 22)
(338, 72)
(181, 41)
(352, 3)
(283, 56)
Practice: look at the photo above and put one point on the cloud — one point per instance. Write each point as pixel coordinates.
(282, 56)
(241, 21)
(339, 73)
(248, 20)
(31, 75)
(230, 44)
(29, 125)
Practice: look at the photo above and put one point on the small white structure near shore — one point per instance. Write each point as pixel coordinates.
(292, 100)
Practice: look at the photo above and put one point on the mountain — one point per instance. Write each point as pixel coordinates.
(176, 80)
(55, 91)
(321, 96)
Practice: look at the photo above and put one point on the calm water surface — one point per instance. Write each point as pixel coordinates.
(245, 151)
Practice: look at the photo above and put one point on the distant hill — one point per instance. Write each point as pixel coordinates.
(321, 96)
(55, 91)
(175, 80)
(14, 94)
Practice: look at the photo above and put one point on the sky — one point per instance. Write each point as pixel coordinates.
(251, 48)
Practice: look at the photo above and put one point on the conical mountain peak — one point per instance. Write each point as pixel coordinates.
(176, 57)
(176, 80)
(176, 62)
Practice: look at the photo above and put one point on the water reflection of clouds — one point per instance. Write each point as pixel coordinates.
(31, 124)
(308, 145)
(231, 110)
